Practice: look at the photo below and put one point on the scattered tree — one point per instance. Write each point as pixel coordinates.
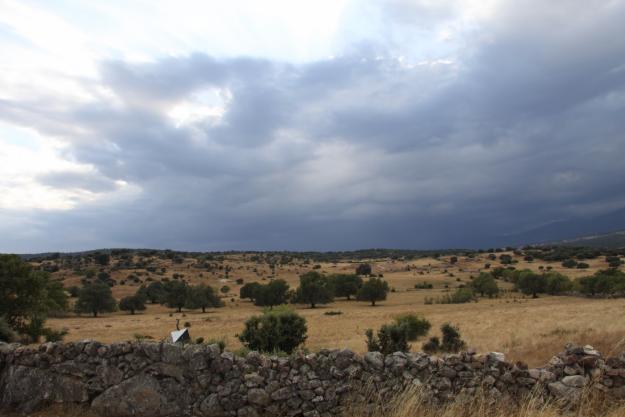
(273, 294)
(176, 294)
(345, 285)
(363, 269)
(485, 285)
(202, 296)
(314, 288)
(132, 303)
(375, 289)
(95, 298)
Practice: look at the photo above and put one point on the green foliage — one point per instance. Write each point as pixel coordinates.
(605, 282)
(155, 292)
(531, 283)
(27, 297)
(225, 289)
(345, 285)
(73, 291)
(363, 269)
(314, 288)
(175, 294)
(95, 298)
(485, 285)
(101, 258)
(460, 296)
(375, 289)
(202, 296)
(132, 303)
(249, 290)
(451, 343)
(414, 325)
(273, 294)
(424, 286)
(280, 329)
(557, 283)
(569, 263)
(390, 338)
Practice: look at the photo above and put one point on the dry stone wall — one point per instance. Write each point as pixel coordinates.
(162, 379)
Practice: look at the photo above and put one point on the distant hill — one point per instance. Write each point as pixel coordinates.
(570, 230)
(614, 240)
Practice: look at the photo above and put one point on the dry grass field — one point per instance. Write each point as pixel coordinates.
(523, 328)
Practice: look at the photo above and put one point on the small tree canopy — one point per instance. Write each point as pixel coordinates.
(202, 296)
(314, 288)
(375, 289)
(132, 303)
(345, 285)
(95, 298)
(249, 290)
(363, 269)
(176, 294)
(273, 294)
(485, 284)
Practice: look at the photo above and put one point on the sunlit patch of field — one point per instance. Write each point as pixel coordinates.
(525, 329)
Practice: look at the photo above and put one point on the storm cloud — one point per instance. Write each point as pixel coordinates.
(523, 125)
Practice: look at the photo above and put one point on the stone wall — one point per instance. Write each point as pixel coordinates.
(161, 379)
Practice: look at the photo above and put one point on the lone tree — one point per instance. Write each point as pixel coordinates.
(176, 294)
(345, 285)
(363, 269)
(249, 290)
(202, 296)
(95, 298)
(375, 289)
(485, 284)
(314, 288)
(272, 294)
(132, 303)
(277, 330)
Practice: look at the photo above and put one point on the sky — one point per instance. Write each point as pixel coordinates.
(296, 125)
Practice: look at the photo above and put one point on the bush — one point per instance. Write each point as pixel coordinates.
(415, 326)
(280, 329)
(451, 343)
(569, 263)
(390, 338)
(54, 335)
(432, 346)
(363, 269)
(485, 284)
(451, 339)
(424, 286)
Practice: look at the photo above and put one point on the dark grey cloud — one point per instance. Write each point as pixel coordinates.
(524, 127)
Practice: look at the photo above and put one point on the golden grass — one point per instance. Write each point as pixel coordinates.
(413, 403)
(525, 329)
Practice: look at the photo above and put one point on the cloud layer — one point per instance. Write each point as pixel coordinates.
(519, 123)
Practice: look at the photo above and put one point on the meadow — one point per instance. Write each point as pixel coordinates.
(522, 327)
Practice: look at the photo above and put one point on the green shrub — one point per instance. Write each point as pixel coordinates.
(280, 329)
(414, 325)
(390, 338)
(451, 339)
